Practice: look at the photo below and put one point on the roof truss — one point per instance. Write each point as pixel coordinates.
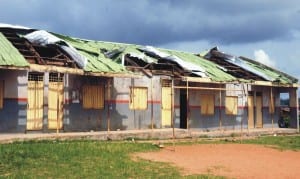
(37, 54)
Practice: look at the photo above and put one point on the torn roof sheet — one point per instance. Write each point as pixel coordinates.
(263, 71)
(278, 76)
(97, 61)
(196, 69)
(3, 25)
(9, 55)
(44, 38)
(215, 53)
(212, 70)
(93, 49)
(109, 57)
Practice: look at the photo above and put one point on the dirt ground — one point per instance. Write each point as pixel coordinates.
(230, 160)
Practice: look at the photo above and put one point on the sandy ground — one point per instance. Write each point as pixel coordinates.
(230, 160)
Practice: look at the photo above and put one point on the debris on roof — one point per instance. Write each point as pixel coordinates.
(213, 70)
(278, 76)
(21, 46)
(94, 52)
(35, 53)
(44, 38)
(195, 69)
(235, 66)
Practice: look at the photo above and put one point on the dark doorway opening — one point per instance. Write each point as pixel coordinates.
(183, 109)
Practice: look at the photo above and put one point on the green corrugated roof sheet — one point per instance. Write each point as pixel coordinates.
(97, 62)
(212, 70)
(9, 55)
(273, 73)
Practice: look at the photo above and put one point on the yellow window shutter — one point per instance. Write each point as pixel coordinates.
(98, 98)
(207, 104)
(86, 96)
(231, 103)
(138, 98)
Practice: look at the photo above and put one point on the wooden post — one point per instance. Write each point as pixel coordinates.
(57, 104)
(272, 109)
(220, 109)
(172, 113)
(109, 103)
(187, 105)
(151, 91)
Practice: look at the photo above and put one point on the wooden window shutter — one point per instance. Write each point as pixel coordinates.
(231, 105)
(86, 98)
(98, 98)
(93, 96)
(138, 98)
(207, 104)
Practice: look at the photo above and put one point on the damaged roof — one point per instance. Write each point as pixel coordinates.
(246, 69)
(9, 55)
(24, 46)
(275, 75)
(106, 53)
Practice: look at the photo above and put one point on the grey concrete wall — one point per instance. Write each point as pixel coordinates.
(13, 114)
(124, 118)
(76, 118)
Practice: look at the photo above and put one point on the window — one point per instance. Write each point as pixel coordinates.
(231, 105)
(138, 98)
(93, 96)
(207, 104)
(1, 93)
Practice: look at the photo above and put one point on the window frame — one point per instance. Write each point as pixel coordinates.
(133, 100)
(228, 102)
(93, 101)
(205, 102)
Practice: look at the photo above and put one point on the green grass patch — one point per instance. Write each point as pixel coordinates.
(99, 159)
(82, 159)
(280, 142)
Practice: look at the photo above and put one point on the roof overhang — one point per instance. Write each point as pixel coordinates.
(47, 68)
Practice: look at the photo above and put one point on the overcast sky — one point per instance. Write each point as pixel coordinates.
(266, 30)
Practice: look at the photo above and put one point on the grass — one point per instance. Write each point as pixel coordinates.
(81, 159)
(96, 159)
(280, 142)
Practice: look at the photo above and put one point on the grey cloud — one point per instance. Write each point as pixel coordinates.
(158, 22)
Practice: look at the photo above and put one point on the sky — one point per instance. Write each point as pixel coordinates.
(265, 30)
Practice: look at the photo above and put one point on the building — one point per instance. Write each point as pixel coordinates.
(52, 82)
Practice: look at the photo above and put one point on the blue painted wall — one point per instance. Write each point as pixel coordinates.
(121, 118)
(13, 116)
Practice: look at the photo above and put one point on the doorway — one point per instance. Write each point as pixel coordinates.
(35, 102)
(166, 104)
(255, 119)
(183, 109)
(55, 101)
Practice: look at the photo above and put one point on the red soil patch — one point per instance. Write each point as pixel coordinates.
(230, 160)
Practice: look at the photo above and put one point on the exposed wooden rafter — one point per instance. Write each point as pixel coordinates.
(37, 54)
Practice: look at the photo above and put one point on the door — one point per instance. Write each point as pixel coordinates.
(55, 101)
(166, 104)
(250, 112)
(183, 109)
(35, 91)
(259, 121)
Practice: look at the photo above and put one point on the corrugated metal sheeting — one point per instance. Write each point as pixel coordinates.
(109, 58)
(9, 55)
